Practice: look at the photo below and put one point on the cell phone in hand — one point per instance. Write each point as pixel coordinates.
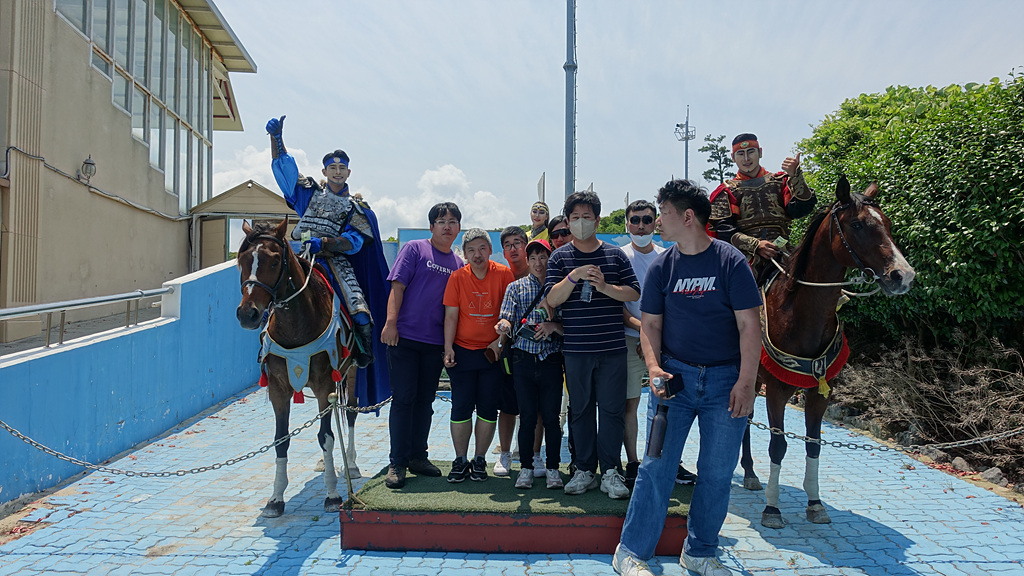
(674, 385)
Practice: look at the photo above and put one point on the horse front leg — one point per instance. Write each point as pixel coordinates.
(326, 438)
(750, 479)
(281, 402)
(776, 396)
(352, 402)
(814, 410)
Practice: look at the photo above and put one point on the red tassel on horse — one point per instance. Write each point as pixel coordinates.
(299, 398)
(264, 381)
(335, 375)
(345, 352)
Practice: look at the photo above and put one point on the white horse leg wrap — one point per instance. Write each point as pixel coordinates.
(811, 479)
(351, 451)
(771, 493)
(280, 479)
(330, 476)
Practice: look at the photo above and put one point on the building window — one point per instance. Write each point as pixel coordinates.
(101, 24)
(156, 52)
(170, 154)
(101, 63)
(139, 114)
(74, 11)
(141, 43)
(171, 59)
(122, 32)
(122, 92)
(156, 130)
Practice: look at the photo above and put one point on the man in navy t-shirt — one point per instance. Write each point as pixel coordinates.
(590, 280)
(700, 324)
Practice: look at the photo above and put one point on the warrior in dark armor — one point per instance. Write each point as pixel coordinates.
(755, 209)
(340, 229)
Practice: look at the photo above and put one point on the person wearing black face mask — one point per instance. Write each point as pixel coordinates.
(595, 345)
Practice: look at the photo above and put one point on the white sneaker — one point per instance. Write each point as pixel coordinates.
(525, 479)
(614, 486)
(539, 468)
(554, 478)
(705, 566)
(501, 466)
(581, 482)
(628, 565)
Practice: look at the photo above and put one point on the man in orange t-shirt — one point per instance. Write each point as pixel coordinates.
(472, 304)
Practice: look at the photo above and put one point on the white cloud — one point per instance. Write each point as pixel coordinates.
(446, 183)
(251, 163)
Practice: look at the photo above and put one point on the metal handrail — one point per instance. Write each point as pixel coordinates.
(128, 298)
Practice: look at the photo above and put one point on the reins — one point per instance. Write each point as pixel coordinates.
(863, 278)
(274, 302)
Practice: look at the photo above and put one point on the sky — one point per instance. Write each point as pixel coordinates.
(464, 101)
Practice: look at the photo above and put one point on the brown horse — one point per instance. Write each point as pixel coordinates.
(800, 317)
(301, 310)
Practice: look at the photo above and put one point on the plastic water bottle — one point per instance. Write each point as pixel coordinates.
(586, 291)
(657, 438)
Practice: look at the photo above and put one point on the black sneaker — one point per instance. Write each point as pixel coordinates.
(631, 471)
(684, 476)
(479, 472)
(424, 467)
(395, 478)
(460, 470)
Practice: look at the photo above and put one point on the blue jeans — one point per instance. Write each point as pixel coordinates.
(706, 398)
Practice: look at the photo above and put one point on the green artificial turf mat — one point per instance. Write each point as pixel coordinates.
(496, 495)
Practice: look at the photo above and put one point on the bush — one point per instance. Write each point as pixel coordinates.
(950, 163)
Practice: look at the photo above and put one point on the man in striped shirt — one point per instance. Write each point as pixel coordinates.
(590, 280)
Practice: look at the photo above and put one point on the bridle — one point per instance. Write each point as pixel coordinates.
(867, 275)
(272, 290)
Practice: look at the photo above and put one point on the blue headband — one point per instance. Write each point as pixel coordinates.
(335, 160)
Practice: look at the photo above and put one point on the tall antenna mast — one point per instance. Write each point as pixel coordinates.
(685, 133)
(570, 97)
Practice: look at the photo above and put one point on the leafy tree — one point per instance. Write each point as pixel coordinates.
(949, 163)
(718, 157)
(614, 223)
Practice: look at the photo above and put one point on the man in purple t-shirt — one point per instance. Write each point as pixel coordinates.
(414, 334)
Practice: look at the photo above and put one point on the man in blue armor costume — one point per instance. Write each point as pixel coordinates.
(343, 232)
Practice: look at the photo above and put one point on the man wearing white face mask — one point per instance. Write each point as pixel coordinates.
(590, 280)
(641, 251)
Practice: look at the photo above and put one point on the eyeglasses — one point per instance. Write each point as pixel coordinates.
(560, 233)
(518, 244)
(635, 220)
(443, 223)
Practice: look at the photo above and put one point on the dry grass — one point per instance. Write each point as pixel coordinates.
(969, 389)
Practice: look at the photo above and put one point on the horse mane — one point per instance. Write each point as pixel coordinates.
(258, 229)
(802, 256)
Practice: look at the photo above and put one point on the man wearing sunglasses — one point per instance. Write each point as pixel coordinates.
(757, 207)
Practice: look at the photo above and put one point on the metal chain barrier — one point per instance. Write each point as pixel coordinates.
(143, 474)
(895, 448)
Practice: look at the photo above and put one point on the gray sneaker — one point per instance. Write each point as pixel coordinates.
(554, 478)
(525, 479)
(614, 485)
(628, 565)
(705, 566)
(582, 481)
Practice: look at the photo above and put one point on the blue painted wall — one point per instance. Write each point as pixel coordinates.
(98, 396)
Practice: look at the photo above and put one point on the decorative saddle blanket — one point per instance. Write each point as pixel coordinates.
(799, 371)
(298, 358)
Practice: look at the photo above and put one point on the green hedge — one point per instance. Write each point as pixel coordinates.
(950, 163)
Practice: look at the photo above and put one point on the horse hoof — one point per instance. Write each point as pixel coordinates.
(752, 483)
(817, 514)
(353, 472)
(273, 510)
(319, 466)
(772, 520)
(333, 504)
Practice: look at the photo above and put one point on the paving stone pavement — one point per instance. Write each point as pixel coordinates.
(890, 514)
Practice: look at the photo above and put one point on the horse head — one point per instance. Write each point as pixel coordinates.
(263, 261)
(862, 238)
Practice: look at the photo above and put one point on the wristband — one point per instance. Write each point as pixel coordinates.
(569, 276)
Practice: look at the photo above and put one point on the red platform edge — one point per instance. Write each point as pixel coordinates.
(504, 533)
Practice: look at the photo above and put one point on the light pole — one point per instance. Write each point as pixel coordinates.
(570, 97)
(685, 133)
